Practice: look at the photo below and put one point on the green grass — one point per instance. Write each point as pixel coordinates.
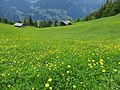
(83, 56)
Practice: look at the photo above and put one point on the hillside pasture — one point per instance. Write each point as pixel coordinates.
(83, 56)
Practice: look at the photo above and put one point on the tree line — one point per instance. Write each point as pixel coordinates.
(36, 23)
(31, 22)
(40, 23)
(110, 8)
(6, 21)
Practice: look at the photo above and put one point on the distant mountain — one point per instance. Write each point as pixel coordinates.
(48, 9)
(14, 9)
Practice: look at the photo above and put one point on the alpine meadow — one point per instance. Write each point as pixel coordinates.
(81, 56)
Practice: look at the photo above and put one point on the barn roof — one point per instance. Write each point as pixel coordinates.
(18, 24)
(66, 22)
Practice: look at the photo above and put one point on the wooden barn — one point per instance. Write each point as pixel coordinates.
(65, 23)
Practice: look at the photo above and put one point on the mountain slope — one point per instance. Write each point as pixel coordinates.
(72, 8)
(14, 9)
(48, 9)
(109, 9)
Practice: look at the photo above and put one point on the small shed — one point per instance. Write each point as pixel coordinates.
(19, 25)
(65, 23)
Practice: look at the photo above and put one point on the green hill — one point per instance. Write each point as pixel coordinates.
(83, 56)
(104, 28)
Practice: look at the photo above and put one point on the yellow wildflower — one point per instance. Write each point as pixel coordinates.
(47, 85)
(74, 86)
(93, 61)
(68, 71)
(33, 88)
(93, 54)
(94, 64)
(101, 63)
(9, 85)
(91, 66)
(69, 66)
(50, 79)
(103, 70)
(115, 70)
(3, 75)
(38, 75)
(50, 88)
(88, 60)
(81, 82)
(62, 74)
(101, 60)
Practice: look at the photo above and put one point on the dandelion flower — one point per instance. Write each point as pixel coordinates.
(118, 62)
(33, 88)
(50, 79)
(88, 60)
(74, 86)
(103, 70)
(115, 70)
(81, 82)
(9, 85)
(96, 62)
(47, 85)
(101, 66)
(69, 66)
(93, 61)
(91, 66)
(62, 74)
(3, 75)
(68, 71)
(50, 88)
(101, 60)
(38, 75)
(102, 63)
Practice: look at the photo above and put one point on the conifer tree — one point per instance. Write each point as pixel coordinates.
(30, 21)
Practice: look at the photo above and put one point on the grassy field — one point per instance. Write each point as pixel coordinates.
(83, 56)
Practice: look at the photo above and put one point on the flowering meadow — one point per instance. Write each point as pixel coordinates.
(78, 57)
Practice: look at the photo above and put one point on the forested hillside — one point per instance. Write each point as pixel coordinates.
(112, 7)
